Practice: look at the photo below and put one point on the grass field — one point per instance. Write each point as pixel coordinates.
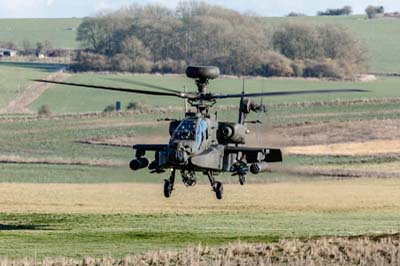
(60, 32)
(71, 100)
(120, 219)
(61, 195)
(15, 78)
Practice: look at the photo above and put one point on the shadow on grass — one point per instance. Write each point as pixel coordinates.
(31, 65)
(17, 227)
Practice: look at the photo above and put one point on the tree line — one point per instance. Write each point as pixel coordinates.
(154, 38)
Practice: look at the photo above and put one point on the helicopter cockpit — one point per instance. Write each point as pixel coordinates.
(193, 129)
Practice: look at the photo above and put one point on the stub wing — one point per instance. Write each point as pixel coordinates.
(254, 155)
(150, 147)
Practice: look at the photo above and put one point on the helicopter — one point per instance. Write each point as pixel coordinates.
(199, 143)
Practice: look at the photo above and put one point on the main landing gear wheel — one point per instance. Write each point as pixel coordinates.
(219, 190)
(169, 185)
(217, 186)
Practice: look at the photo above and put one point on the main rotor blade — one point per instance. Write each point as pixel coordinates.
(158, 93)
(145, 84)
(282, 93)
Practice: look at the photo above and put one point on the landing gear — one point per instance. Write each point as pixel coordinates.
(240, 169)
(219, 190)
(217, 186)
(242, 179)
(169, 184)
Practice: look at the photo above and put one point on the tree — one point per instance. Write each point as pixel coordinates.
(154, 38)
(373, 11)
(297, 41)
(346, 10)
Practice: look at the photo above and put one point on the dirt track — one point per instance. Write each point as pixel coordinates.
(20, 104)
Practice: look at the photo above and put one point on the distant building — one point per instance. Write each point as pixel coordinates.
(7, 53)
(41, 55)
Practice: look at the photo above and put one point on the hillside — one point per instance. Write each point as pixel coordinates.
(60, 32)
(381, 35)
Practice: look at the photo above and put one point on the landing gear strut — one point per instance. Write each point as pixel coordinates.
(217, 186)
(169, 184)
(242, 179)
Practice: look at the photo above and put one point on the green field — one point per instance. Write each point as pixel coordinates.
(52, 235)
(15, 78)
(60, 32)
(64, 99)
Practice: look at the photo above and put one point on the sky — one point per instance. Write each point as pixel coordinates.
(82, 8)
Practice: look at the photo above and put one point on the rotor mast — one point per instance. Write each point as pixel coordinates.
(202, 75)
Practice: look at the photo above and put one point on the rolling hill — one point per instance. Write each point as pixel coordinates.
(380, 35)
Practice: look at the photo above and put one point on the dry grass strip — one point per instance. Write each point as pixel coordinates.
(367, 148)
(351, 195)
(58, 161)
(362, 250)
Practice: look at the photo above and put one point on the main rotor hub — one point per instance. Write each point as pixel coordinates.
(202, 74)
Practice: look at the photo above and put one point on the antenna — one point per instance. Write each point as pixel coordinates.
(186, 100)
(259, 114)
(241, 107)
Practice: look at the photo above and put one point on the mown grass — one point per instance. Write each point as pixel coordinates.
(15, 78)
(77, 235)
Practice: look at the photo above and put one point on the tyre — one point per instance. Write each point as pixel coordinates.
(242, 179)
(167, 188)
(219, 190)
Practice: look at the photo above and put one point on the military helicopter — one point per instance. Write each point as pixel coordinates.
(201, 143)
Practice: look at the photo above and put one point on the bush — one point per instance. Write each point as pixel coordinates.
(91, 61)
(373, 11)
(109, 109)
(346, 10)
(325, 69)
(134, 106)
(298, 68)
(170, 66)
(44, 110)
(274, 64)
(296, 14)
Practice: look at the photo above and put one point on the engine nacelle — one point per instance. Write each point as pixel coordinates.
(139, 163)
(231, 133)
(257, 168)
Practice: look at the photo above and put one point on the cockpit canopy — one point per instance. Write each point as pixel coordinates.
(194, 129)
(186, 130)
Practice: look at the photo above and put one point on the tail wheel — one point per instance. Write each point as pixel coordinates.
(168, 187)
(219, 190)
